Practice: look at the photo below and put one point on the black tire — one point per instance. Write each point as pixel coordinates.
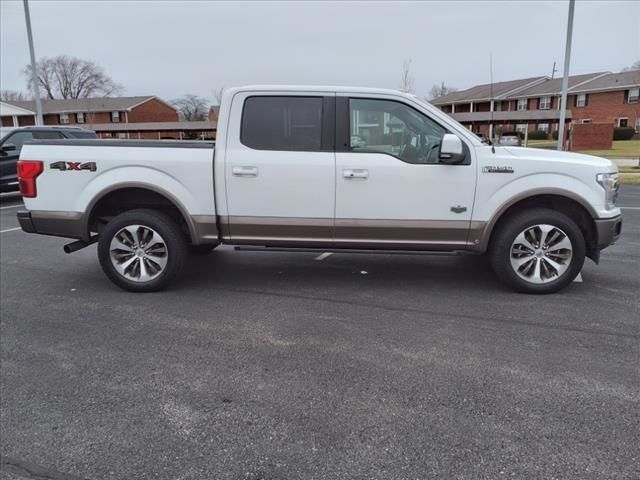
(202, 249)
(175, 252)
(507, 231)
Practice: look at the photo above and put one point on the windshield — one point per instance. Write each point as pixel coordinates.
(429, 106)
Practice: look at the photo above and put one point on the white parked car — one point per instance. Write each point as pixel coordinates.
(283, 174)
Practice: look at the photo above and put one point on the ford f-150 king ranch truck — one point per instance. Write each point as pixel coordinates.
(285, 172)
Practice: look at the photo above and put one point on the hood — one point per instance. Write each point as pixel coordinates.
(565, 157)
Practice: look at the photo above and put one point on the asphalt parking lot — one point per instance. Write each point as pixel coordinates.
(280, 366)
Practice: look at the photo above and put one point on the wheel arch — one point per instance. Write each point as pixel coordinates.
(123, 191)
(569, 203)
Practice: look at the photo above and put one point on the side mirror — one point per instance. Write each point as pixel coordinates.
(8, 147)
(451, 150)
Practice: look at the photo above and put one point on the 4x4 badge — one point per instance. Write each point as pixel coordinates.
(62, 166)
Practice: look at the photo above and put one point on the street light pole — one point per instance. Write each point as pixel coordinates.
(565, 79)
(34, 72)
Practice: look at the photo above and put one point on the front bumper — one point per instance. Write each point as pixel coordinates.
(608, 231)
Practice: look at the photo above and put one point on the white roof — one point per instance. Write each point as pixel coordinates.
(8, 110)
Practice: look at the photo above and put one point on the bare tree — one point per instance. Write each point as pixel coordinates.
(192, 107)
(71, 77)
(407, 80)
(217, 95)
(440, 91)
(13, 95)
(634, 66)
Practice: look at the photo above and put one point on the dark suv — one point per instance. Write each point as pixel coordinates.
(11, 145)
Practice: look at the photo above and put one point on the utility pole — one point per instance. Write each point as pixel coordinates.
(34, 72)
(553, 70)
(565, 79)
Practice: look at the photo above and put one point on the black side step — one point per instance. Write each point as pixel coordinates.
(244, 248)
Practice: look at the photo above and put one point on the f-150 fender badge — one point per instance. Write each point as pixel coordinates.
(495, 169)
(62, 166)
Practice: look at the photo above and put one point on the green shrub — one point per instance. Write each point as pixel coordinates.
(538, 135)
(623, 133)
(555, 134)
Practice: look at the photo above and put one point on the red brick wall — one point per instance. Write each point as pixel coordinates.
(152, 111)
(594, 136)
(605, 107)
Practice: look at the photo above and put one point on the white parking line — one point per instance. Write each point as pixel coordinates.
(10, 230)
(630, 208)
(322, 256)
(11, 206)
(578, 279)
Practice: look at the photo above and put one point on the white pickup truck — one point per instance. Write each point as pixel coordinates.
(286, 172)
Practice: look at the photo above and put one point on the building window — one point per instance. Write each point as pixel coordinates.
(545, 103)
(523, 104)
(64, 118)
(497, 106)
(282, 123)
(638, 124)
(122, 135)
(543, 127)
(115, 117)
(586, 121)
(581, 100)
(632, 95)
(80, 117)
(623, 122)
(521, 127)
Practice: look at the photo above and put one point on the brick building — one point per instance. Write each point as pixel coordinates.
(119, 117)
(534, 103)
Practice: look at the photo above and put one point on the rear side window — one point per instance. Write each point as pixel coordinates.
(82, 134)
(46, 135)
(282, 123)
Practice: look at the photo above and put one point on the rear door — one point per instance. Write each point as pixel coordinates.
(391, 190)
(280, 169)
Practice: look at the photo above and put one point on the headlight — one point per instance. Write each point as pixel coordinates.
(611, 185)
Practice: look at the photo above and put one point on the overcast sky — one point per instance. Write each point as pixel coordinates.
(169, 48)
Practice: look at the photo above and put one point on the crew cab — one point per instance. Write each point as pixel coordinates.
(12, 139)
(285, 173)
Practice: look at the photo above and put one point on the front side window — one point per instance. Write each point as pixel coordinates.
(385, 126)
(581, 100)
(18, 139)
(115, 117)
(523, 104)
(64, 118)
(633, 94)
(282, 123)
(545, 103)
(46, 135)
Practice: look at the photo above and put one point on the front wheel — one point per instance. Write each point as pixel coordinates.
(538, 251)
(142, 250)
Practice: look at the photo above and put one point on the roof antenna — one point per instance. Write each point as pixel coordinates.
(492, 104)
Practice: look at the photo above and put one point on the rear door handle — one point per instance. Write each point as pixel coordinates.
(355, 173)
(244, 171)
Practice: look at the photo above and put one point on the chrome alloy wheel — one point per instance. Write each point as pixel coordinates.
(541, 254)
(138, 253)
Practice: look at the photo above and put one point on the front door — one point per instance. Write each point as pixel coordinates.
(391, 190)
(280, 169)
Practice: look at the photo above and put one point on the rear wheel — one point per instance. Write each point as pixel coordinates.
(538, 251)
(142, 250)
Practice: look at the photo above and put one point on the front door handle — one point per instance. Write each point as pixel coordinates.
(355, 173)
(244, 171)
